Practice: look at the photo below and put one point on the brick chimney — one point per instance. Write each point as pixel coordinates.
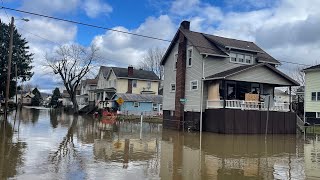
(181, 74)
(130, 74)
(130, 71)
(185, 25)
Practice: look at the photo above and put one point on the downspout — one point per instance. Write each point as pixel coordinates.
(201, 95)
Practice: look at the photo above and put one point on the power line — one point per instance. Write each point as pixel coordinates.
(85, 24)
(110, 29)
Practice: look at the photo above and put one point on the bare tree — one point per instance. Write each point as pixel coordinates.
(151, 61)
(298, 75)
(72, 63)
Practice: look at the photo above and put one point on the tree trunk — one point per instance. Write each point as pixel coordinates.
(75, 105)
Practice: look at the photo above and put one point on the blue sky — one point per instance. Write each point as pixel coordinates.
(286, 29)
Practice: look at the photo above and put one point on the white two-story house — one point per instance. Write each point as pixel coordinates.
(206, 73)
(312, 95)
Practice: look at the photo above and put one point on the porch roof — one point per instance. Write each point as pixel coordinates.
(259, 73)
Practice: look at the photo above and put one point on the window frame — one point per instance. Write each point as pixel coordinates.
(136, 104)
(175, 87)
(235, 56)
(134, 85)
(317, 114)
(315, 96)
(191, 86)
(189, 56)
(175, 60)
(318, 96)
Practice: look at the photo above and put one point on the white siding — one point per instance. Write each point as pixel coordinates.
(169, 77)
(193, 73)
(312, 85)
(260, 75)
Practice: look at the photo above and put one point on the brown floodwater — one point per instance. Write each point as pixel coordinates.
(50, 144)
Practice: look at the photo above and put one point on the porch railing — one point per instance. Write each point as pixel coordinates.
(248, 105)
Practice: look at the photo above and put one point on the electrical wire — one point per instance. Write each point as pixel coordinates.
(110, 29)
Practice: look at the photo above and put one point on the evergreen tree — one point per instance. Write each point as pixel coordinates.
(55, 96)
(20, 55)
(37, 99)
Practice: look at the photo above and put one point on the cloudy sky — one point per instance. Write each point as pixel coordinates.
(286, 29)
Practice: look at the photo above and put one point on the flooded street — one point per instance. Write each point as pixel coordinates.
(44, 144)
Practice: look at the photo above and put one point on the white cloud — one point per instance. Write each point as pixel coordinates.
(127, 49)
(50, 7)
(93, 8)
(183, 7)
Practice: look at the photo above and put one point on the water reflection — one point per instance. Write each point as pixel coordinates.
(51, 144)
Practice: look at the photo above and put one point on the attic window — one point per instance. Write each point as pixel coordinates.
(241, 58)
(233, 57)
(189, 57)
(136, 104)
(175, 60)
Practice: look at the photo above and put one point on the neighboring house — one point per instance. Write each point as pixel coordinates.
(27, 98)
(86, 96)
(113, 80)
(65, 99)
(135, 104)
(312, 94)
(236, 76)
(281, 96)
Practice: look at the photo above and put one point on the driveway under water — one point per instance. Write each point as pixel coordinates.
(50, 144)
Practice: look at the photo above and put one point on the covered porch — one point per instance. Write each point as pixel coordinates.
(248, 87)
(102, 96)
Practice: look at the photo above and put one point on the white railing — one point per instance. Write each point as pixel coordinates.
(248, 105)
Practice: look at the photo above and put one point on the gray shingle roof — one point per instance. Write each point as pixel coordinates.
(141, 97)
(312, 67)
(137, 74)
(216, 45)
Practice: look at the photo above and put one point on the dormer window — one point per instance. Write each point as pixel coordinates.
(241, 58)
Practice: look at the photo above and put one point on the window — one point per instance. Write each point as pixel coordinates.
(194, 85)
(149, 84)
(318, 96)
(248, 59)
(189, 57)
(155, 106)
(136, 104)
(313, 96)
(233, 57)
(160, 107)
(175, 60)
(318, 115)
(173, 87)
(134, 83)
(240, 58)
(171, 113)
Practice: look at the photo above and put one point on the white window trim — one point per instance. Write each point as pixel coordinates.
(136, 103)
(175, 60)
(175, 87)
(237, 62)
(316, 97)
(191, 85)
(317, 116)
(190, 48)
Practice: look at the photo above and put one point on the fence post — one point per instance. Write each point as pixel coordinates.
(141, 119)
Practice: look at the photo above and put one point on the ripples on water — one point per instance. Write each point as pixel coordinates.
(44, 144)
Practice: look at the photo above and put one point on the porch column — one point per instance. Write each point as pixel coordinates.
(290, 99)
(224, 85)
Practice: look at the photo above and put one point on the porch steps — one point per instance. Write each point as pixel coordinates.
(300, 124)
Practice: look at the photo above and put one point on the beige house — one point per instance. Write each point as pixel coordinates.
(113, 80)
(312, 94)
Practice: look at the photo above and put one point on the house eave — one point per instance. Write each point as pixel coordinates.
(217, 55)
(243, 49)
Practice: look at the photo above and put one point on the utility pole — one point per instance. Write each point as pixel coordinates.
(16, 74)
(9, 68)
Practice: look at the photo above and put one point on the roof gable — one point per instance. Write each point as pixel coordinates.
(209, 45)
(239, 73)
(137, 74)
